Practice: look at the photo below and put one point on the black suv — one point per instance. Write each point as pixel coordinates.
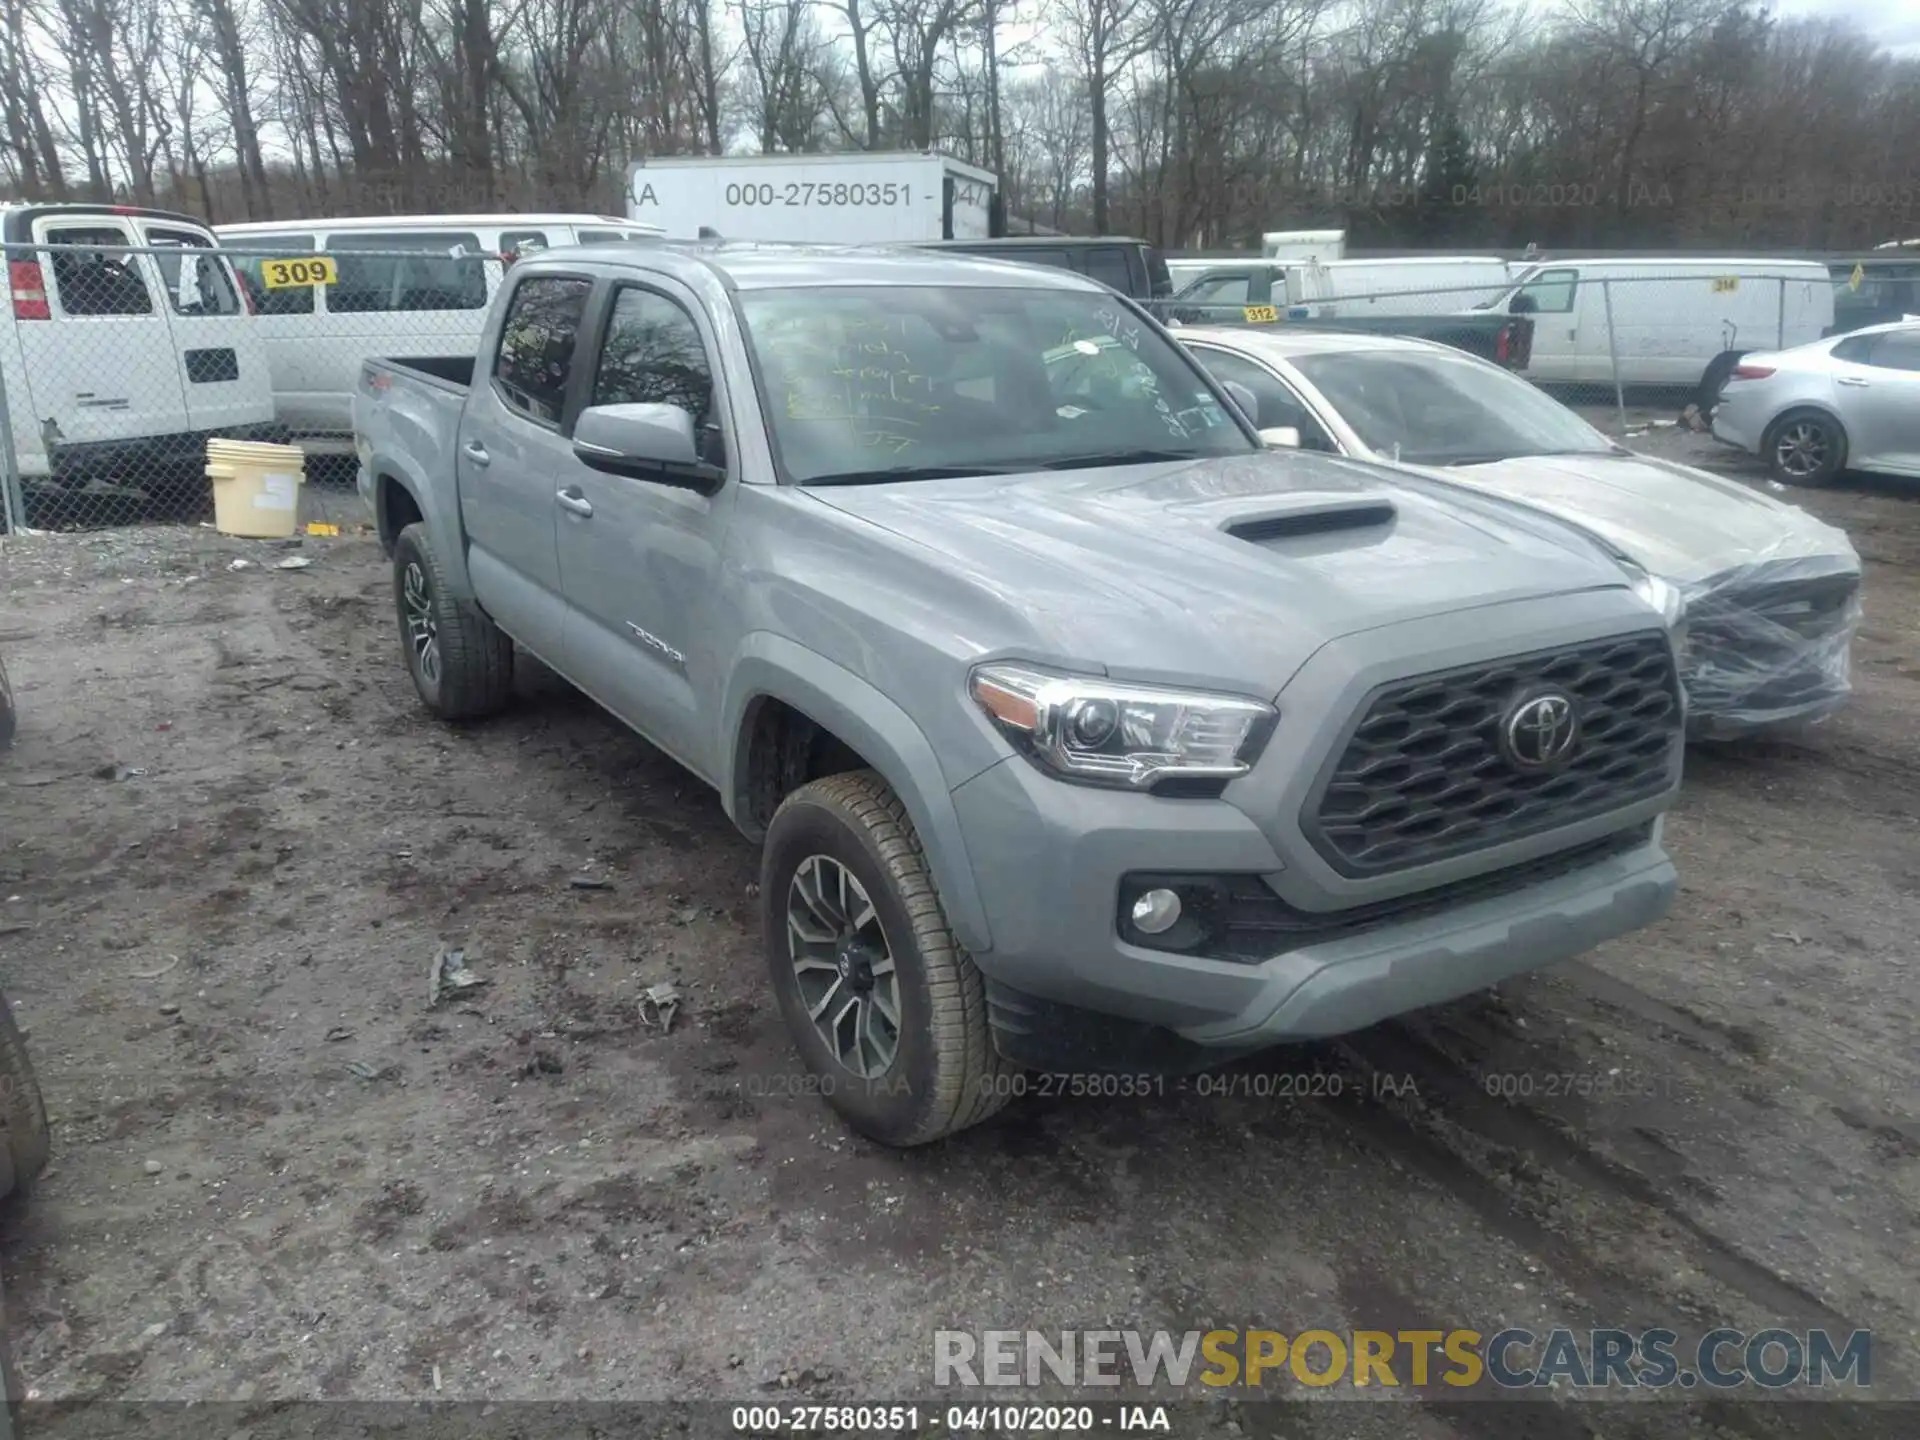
(1133, 267)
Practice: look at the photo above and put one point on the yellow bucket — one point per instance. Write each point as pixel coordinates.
(256, 487)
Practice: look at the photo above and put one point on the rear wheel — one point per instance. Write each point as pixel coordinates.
(887, 1010)
(28, 1140)
(6, 708)
(461, 662)
(1805, 447)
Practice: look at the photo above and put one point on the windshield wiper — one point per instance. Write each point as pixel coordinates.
(1118, 457)
(913, 472)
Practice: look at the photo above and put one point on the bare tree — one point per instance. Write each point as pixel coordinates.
(787, 65)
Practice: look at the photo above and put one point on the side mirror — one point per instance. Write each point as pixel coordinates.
(1248, 402)
(1281, 437)
(644, 442)
(1522, 304)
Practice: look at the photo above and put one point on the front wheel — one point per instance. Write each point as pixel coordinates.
(461, 662)
(1805, 447)
(888, 1012)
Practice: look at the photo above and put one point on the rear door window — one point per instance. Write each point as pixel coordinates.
(1108, 265)
(1896, 350)
(190, 268)
(537, 341)
(422, 270)
(93, 272)
(249, 252)
(1033, 255)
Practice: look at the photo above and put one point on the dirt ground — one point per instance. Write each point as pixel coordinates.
(231, 844)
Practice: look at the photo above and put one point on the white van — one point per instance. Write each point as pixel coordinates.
(125, 342)
(1412, 285)
(384, 303)
(1675, 321)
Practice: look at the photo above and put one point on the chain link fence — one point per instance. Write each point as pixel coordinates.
(118, 362)
(1621, 349)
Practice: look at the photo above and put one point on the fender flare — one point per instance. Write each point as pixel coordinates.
(771, 667)
(449, 544)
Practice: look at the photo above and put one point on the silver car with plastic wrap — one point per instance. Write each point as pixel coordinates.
(1849, 402)
(1770, 595)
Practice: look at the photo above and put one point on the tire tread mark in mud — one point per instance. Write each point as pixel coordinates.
(1451, 1090)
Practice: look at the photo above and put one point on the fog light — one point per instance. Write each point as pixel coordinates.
(1156, 912)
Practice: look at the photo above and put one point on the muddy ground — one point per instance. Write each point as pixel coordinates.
(279, 1173)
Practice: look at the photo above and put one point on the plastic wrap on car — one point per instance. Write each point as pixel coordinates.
(1769, 642)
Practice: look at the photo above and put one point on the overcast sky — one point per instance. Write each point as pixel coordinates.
(1894, 23)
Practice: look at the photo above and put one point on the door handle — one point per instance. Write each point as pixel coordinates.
(573, 501)
(1854, 380)
(477, 453)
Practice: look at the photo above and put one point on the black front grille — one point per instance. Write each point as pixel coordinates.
(1423, 776)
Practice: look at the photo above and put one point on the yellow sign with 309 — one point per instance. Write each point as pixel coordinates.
(306, 270)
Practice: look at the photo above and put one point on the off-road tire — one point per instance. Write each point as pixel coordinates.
(945, 1075)
(28, 1141)
(1836, 448)
(6, 708)
(475, 657)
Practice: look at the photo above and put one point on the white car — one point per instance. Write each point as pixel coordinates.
(1771, 595)
(1850, 402)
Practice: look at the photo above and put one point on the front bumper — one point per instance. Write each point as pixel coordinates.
(1052, 873)
(1365, 892)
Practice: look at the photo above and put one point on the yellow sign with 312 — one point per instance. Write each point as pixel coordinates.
(1260, 314)
(303, 270)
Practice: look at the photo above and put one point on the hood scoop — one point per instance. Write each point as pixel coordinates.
(1295, 522)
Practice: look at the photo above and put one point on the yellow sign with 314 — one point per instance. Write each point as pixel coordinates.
(303, 270)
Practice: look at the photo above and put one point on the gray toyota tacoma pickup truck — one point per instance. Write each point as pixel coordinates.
(1081, 731)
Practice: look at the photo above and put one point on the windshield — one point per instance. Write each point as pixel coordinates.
(912, 382)
(1440, 409)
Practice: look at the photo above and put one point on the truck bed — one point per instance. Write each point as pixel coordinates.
(406, 415)
(444, 371)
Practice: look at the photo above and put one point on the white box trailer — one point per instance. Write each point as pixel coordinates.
(1404, 285)
(863, 198)
(1303, 245)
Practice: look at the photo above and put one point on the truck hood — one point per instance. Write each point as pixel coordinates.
(1231, 570)
(1679, 523)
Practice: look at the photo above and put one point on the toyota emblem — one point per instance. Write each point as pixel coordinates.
(1541, 730)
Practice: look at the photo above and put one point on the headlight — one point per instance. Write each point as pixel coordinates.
(1665, 597)
(1127, 736)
